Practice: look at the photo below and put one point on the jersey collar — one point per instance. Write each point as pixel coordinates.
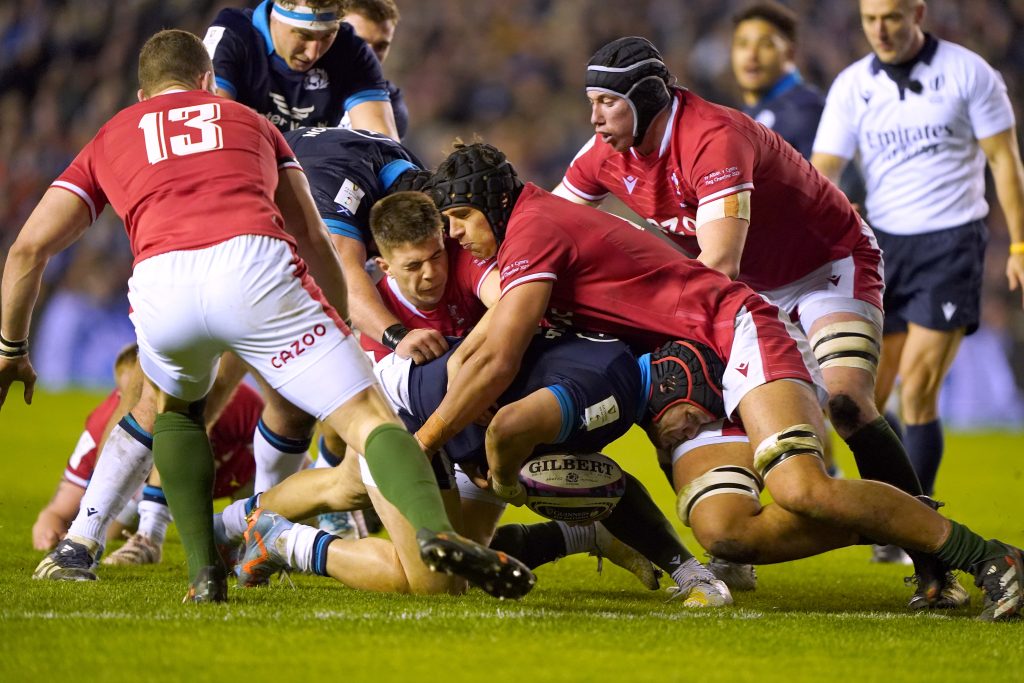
(783, 85)
(925, 54)
(644, 363)
(261, 21)
(393, 286)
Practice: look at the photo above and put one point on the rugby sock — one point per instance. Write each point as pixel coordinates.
(122, 467)
(965, 548)
(531, 544)
(129, 514)
(638, 522)
(277, 457)
(925, 446)
(578, 539)
(880, 456)
(306, 548)
(405, 478)
(154, 516)
(324, 457)
(184, 458)
(894, 421)
(234, 517)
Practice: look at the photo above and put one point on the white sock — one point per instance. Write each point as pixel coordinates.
(234, 519)
(578, 539)
(299, 547)
(277, 457)
(154, 518)
(122, 467)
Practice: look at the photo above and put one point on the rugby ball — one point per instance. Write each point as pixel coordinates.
(572, 488)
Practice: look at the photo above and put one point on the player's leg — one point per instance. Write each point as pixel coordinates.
(281, 440)
(927, 356)
(888, 367)
(145, 546)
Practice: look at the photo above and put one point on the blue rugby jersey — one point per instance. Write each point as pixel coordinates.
(348, 171)
(246, 66)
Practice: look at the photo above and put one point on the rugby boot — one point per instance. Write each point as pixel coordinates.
(606, 545)
(946, 593)
(210, 585)
(138, 549)
(69, 561)
(495, 572)
(738, 577)
(697, 587)
(264, 555)
(1002, 580)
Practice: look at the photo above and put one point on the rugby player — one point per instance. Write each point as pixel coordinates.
(375, 21)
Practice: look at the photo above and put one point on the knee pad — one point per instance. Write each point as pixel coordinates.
(850, 344)
(727, 479)
(792, 441)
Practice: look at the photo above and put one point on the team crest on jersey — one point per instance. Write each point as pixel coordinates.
(349, 197)
(316, 79)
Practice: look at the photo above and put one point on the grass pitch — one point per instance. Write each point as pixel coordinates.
(835, 616)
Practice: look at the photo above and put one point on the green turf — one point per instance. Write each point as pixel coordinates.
(832, 617)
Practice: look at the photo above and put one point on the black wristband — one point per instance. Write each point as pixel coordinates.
(394, 335)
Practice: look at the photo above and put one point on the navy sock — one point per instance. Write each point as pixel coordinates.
(532, 544)
(320, 543)
(325, 453)
(894, 423)
(924, 446)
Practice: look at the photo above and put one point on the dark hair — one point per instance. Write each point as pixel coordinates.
(377, 11)
(404, 218)
(172, 57)
(776, 14)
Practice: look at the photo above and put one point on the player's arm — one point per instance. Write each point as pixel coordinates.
(58, 220)
(1004, 159)
(371, 317)
(516, 430)
(565, 193)
(302, 221)
(54, 519)
(489, 293)
(829, 165)
(492, 366)
(722, 225)
(376, 116)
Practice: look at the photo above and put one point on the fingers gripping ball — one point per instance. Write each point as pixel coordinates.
(572, 488)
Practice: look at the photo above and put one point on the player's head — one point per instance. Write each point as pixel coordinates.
(407, 229)
(303, 30)
(374, 21)
(628, 86)
(174, 58)
(476, 188)
(763, 45)
(686, 391)
(893, 28)
(124, 365)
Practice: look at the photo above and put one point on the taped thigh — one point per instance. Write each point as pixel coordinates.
(797, 440)
(731, 479)
(850, 344)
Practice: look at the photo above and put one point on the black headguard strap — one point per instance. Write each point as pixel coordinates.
(686, 371)
(632, 68)
(479, 176)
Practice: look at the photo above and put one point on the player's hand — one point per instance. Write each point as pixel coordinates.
(422, 345)
(472, 470)
(47, 531)
(1015, 273)
(16, 370)
(513, 494)
(484, 418)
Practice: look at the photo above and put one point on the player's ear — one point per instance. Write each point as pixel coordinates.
(141, 95)
(382, 264)
(208, 83)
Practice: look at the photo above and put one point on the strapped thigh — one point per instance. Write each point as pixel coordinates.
(726, 479)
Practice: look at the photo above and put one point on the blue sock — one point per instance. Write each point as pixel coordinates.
(924, 446)
(326, 455)
(894, 423)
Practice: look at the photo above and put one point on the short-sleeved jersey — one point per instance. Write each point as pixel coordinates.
(348, 171)
(398, 107)
(799, 221)
(918, 151)
(610, 276)
(247, 67)
(184, 170)
(230, 438)
(458, 311)
(596, 380)
(792, 109)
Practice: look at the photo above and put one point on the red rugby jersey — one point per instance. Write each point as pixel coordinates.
(799, 220)
(184, 170)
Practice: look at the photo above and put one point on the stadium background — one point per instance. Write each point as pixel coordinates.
(508, 72)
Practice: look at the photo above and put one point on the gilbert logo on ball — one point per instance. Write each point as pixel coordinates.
(572, 488)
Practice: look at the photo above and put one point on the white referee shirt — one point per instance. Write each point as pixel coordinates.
(919, 155)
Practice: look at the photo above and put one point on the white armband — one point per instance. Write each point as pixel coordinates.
(736, 205)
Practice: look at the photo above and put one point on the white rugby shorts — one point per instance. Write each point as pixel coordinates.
(251, 295)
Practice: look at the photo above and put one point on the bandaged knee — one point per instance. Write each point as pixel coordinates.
(729, 479)
(790, 442)
(849, 344)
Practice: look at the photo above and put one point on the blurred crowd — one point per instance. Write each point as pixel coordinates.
(508, 72)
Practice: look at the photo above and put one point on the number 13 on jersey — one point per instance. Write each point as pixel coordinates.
(202, 117)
